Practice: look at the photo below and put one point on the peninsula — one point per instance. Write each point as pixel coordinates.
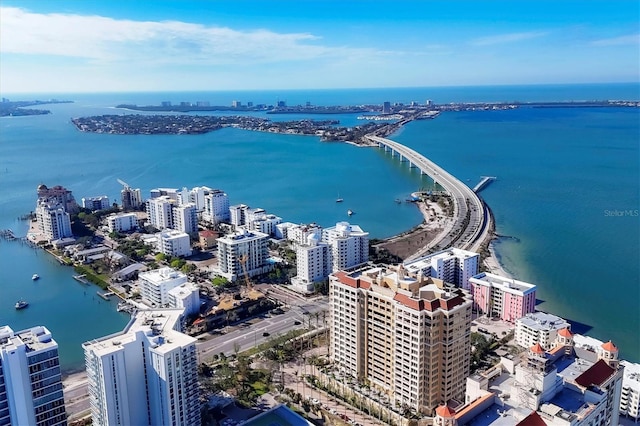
(19, 108)
(137, 124)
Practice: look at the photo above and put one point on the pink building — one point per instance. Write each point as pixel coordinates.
(503, 298)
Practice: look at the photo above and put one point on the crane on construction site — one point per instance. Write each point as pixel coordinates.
(123, 183)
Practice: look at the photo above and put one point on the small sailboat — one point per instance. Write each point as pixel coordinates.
(339, 199)
(21, 304)
(35, 277)
(349, 212)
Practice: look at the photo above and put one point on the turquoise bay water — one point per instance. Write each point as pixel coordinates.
(559, 171)
(561, 175)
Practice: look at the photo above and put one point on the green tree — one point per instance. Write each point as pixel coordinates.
(177, 263)
(187, 268)
(219, 281)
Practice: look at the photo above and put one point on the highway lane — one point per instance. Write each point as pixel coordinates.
(246, 335)
(467, 205)
(76, 393)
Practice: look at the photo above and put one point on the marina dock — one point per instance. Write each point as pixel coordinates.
(81, 279)
(106, 295)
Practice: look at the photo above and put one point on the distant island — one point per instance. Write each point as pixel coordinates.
(281, 108)
(386, 119)
(137, 124)
(387, 108)
(19, 108)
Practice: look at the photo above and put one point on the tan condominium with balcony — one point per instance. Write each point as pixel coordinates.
(408, 336)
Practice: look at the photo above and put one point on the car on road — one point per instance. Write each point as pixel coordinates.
(265, 334)
(297, 322)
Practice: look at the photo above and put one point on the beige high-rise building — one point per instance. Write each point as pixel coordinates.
(408, 336)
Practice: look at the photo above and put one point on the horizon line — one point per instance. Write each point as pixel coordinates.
(5, 93)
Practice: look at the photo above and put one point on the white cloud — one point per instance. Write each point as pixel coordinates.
(618, 41)
(102, 39)
(507, 38)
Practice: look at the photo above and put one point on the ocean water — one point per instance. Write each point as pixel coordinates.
(566, 201)
(562, 175)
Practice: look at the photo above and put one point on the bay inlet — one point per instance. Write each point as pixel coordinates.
(558, 171)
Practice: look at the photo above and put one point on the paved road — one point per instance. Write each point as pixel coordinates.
(466, 202)
(246, 335)
(299, 309)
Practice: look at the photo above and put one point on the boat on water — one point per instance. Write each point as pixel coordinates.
(21, 304)
(35, 277)
(349, 212)
(339, 199)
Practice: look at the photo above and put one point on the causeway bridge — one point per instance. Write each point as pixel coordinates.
(472, 218)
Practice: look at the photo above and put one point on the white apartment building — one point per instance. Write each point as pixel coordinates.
(237, 214)
(586, 392)
(185, 218)
(122, 222)
(589, 347)
(187, 297)
(312, 264)
(216, 207)
(578, 382)
(160, 212)
(539, 327)
(30, 381)
(144, 375)
(155, 285)
(265, 223)
(194, 195)
(282, 230)
(53, 221)
(96, 203)
(174, 243)
(131, 198)
(407, 336)
(172, 193)
(252, 214)
(455, 266)
(349, 245)
(630, 396)
(299, 234)
(243, 252)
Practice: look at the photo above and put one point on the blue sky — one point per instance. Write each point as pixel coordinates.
(90, 45)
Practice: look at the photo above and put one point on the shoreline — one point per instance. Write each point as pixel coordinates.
(435, 227)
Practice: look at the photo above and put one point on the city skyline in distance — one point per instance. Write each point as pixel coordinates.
(69, 46)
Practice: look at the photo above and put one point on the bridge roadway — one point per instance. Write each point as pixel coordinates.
(464, 199)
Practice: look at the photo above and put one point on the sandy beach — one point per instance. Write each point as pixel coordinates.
(74, 380)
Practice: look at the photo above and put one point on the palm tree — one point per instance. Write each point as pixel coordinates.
(309, 328)
(326, 331)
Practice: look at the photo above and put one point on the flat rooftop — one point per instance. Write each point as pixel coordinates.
(425, 261)
(506, 283)
(158, 325)
(33, 339)
(544, 321)
(631, 375)
(496, 415)
(157, 276)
